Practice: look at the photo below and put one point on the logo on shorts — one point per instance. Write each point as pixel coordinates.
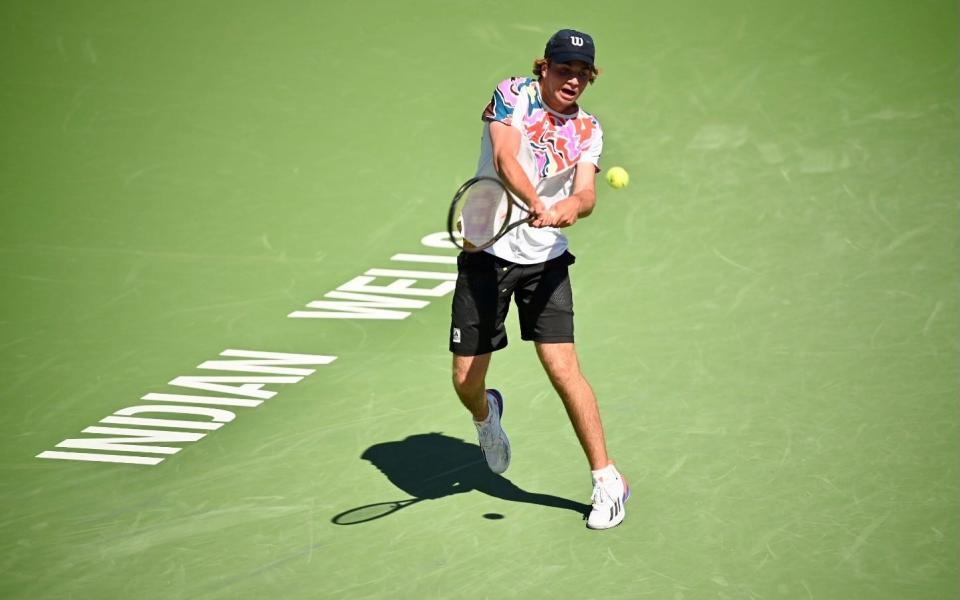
(456, 335)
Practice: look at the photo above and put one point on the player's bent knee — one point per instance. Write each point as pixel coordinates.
(463, 382)
(469, 374)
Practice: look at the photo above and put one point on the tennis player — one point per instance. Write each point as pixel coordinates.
(546, 149)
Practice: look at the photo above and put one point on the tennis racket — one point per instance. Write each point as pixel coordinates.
(483, 211)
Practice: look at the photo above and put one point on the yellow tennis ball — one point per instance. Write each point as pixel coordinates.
(618, 178)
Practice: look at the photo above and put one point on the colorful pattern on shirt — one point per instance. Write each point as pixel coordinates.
(558, 142)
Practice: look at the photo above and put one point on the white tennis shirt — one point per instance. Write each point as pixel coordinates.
(552, 146)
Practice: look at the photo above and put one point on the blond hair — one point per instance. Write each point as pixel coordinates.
(539, 63)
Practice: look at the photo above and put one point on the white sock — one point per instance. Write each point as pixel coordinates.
(608, 473)
(489, 413)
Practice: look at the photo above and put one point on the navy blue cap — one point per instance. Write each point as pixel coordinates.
(568, 45)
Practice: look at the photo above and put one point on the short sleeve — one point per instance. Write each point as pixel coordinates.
(504, 100)
(593, 148)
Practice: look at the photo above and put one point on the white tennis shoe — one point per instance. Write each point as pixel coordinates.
(493, 441)
(610, 493)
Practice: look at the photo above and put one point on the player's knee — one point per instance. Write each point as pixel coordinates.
(564, 374)
(466, 381)
(560, 360)
(469, 373)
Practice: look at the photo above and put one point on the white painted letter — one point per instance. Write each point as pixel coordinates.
(252, 388)
(363, 306)
(91, 457)
(266, 360)
(440, 239)
(122, 444)
(400, 286)
(425, 258)
(219, 417)
(211, 400)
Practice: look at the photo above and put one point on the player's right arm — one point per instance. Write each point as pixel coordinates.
(506, 142)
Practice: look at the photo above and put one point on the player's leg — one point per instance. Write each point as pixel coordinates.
(480, 305)
(476, 328)
(560, 362)
(486, 406)
(610, 489)
(545, 301)
(469, 381)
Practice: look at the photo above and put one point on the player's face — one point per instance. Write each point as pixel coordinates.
(563, 83)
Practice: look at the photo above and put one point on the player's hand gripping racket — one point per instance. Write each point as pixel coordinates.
(483, 211)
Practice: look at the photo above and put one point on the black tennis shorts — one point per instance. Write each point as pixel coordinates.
(485, 284)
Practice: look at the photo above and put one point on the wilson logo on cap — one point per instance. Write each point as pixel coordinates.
(568, 45)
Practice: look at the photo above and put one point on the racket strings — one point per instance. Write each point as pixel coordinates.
(483, 212)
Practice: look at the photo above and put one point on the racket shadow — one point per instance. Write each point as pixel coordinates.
(431, 466)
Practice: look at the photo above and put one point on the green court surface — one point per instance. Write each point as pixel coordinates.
(768, 313)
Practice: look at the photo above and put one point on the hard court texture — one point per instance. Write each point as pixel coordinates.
(768, 312)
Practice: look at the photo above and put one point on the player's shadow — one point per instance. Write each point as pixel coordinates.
(430, 466)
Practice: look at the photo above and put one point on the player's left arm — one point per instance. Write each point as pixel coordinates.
(580, 203)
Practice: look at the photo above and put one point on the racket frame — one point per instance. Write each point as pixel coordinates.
(512, 205)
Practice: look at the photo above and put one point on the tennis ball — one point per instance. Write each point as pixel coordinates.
(618, 178)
